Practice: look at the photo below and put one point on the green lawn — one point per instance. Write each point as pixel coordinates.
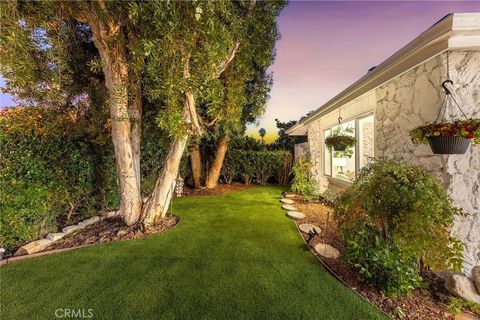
(232, 257)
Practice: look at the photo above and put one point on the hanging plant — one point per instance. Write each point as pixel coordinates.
(448, 137)
(340, 140)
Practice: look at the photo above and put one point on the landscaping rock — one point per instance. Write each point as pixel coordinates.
(33, 247)
(289, 207)
(287, 201)
(2, 252)
(89, 221)
(110, 214)
(306, 227)
(476, 277)
(295, 215)
(73, 228)
(327, 251)
(56, 236)
(463, 287)
(288, 195)
(444, 274)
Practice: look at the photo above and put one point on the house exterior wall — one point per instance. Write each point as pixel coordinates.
(400, 105)
(414, 98)
(362, 105)
(301, 150)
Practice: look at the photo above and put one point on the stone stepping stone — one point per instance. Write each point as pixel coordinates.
(288, 195)
(295, 215)
(306, 227)
(327, 251)
(289, 207)
(287, 201)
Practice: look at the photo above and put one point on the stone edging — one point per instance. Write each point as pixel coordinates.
(336, 276)
(14, 259)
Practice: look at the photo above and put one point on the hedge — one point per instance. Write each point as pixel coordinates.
(253, 166)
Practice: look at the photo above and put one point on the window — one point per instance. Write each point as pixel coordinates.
(344, 165)
(365, 140)
(327, 167)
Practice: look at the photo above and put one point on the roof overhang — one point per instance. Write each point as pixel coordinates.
(458, 31)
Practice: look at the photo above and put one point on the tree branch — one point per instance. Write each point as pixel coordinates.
(231, 55)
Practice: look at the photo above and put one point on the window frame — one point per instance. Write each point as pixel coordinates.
(356, 120)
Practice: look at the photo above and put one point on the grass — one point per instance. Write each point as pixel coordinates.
(234, 256)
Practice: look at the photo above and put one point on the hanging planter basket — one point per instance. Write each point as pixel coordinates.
(340, 142)
(448, 137)
(448, 145)
(339, 147)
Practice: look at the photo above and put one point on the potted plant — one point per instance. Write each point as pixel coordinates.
(448, 137)
(339, 140)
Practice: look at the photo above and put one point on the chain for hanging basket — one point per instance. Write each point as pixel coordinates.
(443, 108)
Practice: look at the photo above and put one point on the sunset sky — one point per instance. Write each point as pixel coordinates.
(327, 45)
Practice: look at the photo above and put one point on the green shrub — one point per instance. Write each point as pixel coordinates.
(407, 209)
(252, 165)
(303, 182)
(380, 262)
(46, 171)
(26, 213)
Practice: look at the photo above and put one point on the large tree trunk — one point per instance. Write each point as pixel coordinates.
(196, 162)
(125, 136)
(157, 204)
(214, 173)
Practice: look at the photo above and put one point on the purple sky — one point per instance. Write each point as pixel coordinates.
(328, 45)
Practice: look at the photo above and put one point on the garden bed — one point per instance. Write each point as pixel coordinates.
(218, 190)
(428, 303)
(112, 229)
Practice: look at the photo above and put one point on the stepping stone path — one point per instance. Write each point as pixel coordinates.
(289, 195)
(307, 227)
(327, 251)
(289, 207)
(295, 215)
(287, 201)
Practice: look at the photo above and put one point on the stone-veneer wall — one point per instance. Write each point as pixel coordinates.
(415, 98)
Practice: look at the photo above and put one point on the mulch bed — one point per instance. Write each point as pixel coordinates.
(218, 190)
(108, 230)
(428, 303)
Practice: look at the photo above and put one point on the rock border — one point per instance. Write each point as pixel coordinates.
(14, 259)
(39, 245)
(329, 270)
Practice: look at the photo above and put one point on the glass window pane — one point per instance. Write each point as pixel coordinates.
(344, 161)
(365, 140)
(327, 163)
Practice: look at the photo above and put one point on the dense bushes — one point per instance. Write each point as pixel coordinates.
(303, 182)
(401, 212)
(380, 262)
(48, 169)
(252, 166)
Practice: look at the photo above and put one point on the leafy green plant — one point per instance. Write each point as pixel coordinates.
(457, 304)
(380, 262)
(252, 165)
(466, 129)
(303, 181)
(407, 208)
(341, 139)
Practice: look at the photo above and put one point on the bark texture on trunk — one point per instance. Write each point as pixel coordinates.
(157, 204)
(215, 169)
(196, 162)
(113, 54)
